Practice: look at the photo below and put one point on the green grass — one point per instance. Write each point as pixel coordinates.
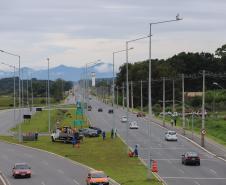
(215, 127)
(39, 122)
(109, 156)
(6, 102)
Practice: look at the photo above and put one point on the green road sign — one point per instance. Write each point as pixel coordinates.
(78, 122)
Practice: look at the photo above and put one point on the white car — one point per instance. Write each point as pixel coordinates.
(133, 125)
(171, 136)
(124, 119)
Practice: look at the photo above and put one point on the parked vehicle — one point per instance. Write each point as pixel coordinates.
(66, 135)
(190, 158)
(171, 136)
(97, 178)
(88, 132)
(21, 170)
(133, 125)
(140, 114)
(110, 111)
(99, 131)
(89, 108)
(100, 110)
(123, 119)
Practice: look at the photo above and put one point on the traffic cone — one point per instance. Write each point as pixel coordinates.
(154, 166)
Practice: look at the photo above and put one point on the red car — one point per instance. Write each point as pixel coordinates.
(21, 170)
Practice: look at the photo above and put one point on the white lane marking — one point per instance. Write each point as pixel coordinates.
(196, 182)
(2, 180)
(60, 171)
(182, 171)
(213, 171)
(197, 178)
(43, 183)
(76, 182)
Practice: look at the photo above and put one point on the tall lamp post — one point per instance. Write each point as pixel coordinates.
(12, 54)
(14, 88)
(48, 99)
(149, 82)
(127, 82)
(113, 91)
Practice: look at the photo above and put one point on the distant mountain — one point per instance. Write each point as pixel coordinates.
(102, 70)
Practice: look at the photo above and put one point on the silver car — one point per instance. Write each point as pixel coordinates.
(171, 136)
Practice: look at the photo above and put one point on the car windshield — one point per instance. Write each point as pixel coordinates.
(98, 175)
(192, 154)
(21, 166)
(172, 133)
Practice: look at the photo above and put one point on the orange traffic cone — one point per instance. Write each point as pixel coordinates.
(154, 166)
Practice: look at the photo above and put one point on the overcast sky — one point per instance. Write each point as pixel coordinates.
(75, 32)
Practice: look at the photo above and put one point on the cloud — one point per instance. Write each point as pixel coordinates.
(103, 68)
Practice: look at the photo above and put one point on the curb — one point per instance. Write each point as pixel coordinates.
(193, 142)
(57, 155)
(142, 161)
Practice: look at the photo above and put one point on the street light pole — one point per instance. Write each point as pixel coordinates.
(14, 89)
(20, 138)
(203, 112)
(127, 83)
(48, 100)
(113, 91)
(149, 84)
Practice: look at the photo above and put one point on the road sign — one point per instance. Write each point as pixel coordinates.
(203, 131)
(78, 122)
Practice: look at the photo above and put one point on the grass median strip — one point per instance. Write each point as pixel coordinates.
(108, 155)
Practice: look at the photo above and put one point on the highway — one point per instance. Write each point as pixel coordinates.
(7, 119)
(47, 169)
(168, 154)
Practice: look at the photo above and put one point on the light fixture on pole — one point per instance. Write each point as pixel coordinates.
(149, 82)
(127, 82)
(113, 89)
(49, 121)
(14, 88)
(12, 54)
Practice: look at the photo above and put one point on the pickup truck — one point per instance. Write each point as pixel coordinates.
(66, 135)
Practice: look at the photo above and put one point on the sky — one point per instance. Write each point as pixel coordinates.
(77, 32)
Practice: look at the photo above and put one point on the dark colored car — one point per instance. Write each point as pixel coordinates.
(110, 111)
(140, 114)
(21, 170)
(88, 132)
(99, 131)
(100, 110)
(89, 108)
(190, 158)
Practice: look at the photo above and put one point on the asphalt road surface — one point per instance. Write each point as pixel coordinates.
(7, 119)
(212, 171)
(47, 169)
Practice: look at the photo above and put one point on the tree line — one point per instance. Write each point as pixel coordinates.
(183, 63)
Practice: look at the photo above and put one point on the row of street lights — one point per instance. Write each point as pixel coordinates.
(19, 99)
(127, 81)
